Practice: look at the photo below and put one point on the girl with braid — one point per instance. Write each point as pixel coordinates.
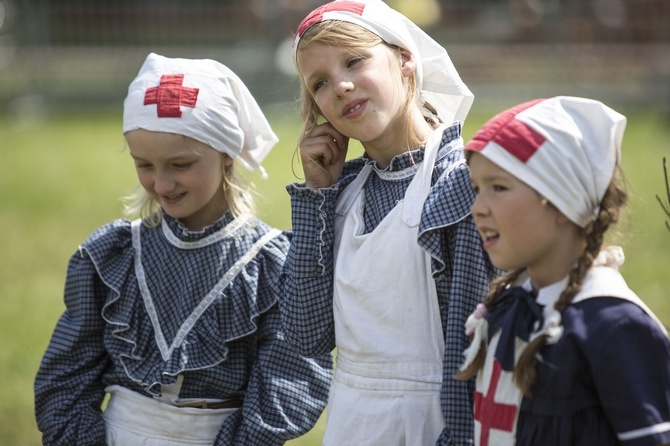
(564, 352)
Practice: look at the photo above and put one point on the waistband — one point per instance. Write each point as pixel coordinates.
(130, 411)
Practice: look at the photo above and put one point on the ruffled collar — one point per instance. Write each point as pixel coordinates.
(405, 164)
(218, 315)
(181, 237)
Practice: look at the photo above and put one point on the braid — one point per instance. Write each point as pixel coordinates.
(497, 286)
(525, 373)
(501, 283)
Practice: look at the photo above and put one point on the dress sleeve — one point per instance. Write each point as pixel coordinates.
(286, 393)
(462, 271)
(630, 361)
(68, 387)
(305, 287)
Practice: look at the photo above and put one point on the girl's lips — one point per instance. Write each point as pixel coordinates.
(489, 237)
(172, 199)
(354, 108)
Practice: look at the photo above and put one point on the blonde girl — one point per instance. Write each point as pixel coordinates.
(385, 263)
(173, 314)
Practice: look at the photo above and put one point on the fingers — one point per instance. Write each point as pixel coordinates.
(326, 135)
(323, 151)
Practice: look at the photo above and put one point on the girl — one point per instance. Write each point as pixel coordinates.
(566, 354)
(385, 264)
(173, 314)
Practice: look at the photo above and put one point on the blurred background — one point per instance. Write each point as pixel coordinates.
(82, 53)
(65, 66)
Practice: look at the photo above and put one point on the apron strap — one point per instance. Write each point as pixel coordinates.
(348, 196)
(418, 190)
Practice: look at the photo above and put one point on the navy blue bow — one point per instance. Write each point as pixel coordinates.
(516, 312)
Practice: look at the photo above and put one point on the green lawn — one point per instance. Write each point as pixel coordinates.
(61, 179)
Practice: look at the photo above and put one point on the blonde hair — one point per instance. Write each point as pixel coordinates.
(237, 190)
(525, 374)
(338, 33)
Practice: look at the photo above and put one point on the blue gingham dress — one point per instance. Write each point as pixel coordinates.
(460, 266)
(233, 348)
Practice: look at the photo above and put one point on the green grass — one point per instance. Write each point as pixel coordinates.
(62, 178)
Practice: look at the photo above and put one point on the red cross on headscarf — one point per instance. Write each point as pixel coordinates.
(510, 133)
(317, 15)
(170, 95)
(490, 414)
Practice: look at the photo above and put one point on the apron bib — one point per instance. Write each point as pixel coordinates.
(387, 383)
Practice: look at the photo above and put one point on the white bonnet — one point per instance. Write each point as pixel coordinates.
(202, 99)
(566, 148)
(438, 82)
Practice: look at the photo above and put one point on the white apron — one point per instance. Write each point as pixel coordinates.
(386, 389)
(138, 420)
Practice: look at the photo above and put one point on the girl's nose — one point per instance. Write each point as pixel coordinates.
(343, 86)
(478, 207)
(163, 182)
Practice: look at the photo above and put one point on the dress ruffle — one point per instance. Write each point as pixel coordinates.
(233, 314)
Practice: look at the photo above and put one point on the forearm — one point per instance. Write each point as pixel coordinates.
(68, 386)
(285, 395)
(69, 393)
(306, 283)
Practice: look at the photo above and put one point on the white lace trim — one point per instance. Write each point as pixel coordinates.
(228, 230)
(189, 323)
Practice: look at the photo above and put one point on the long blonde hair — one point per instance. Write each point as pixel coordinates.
(348, 35)
(238, 192)
(525, 374)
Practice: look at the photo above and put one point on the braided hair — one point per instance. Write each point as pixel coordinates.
(525, 374)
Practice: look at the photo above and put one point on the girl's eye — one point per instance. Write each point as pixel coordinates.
(499, 188)
(317, 85)
(475, 189)
(353, 61)
(142, 165)
(182, 165)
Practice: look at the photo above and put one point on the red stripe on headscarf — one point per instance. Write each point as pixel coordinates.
(513, 135)
(317, 15)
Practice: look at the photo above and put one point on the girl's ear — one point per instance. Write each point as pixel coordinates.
(408, 61)
(227, 160)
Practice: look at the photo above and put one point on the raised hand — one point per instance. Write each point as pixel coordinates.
(323, 151)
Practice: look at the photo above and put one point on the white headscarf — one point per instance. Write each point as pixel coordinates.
(566, 148)
(437, 80)
(202, 99)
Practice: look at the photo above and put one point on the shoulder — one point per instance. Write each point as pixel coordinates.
(451, 194)
(113, 235)
(107, 252)
(266, 240)
(604, 294)
(605, 324)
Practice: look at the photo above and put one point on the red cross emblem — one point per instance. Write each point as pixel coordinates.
(170, 95)
(490, 414)
(510, 133)
(317, 15)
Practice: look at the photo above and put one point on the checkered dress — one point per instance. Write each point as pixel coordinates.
(460, 267)
(232, 347)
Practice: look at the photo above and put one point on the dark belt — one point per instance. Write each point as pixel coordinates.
(202, 404)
